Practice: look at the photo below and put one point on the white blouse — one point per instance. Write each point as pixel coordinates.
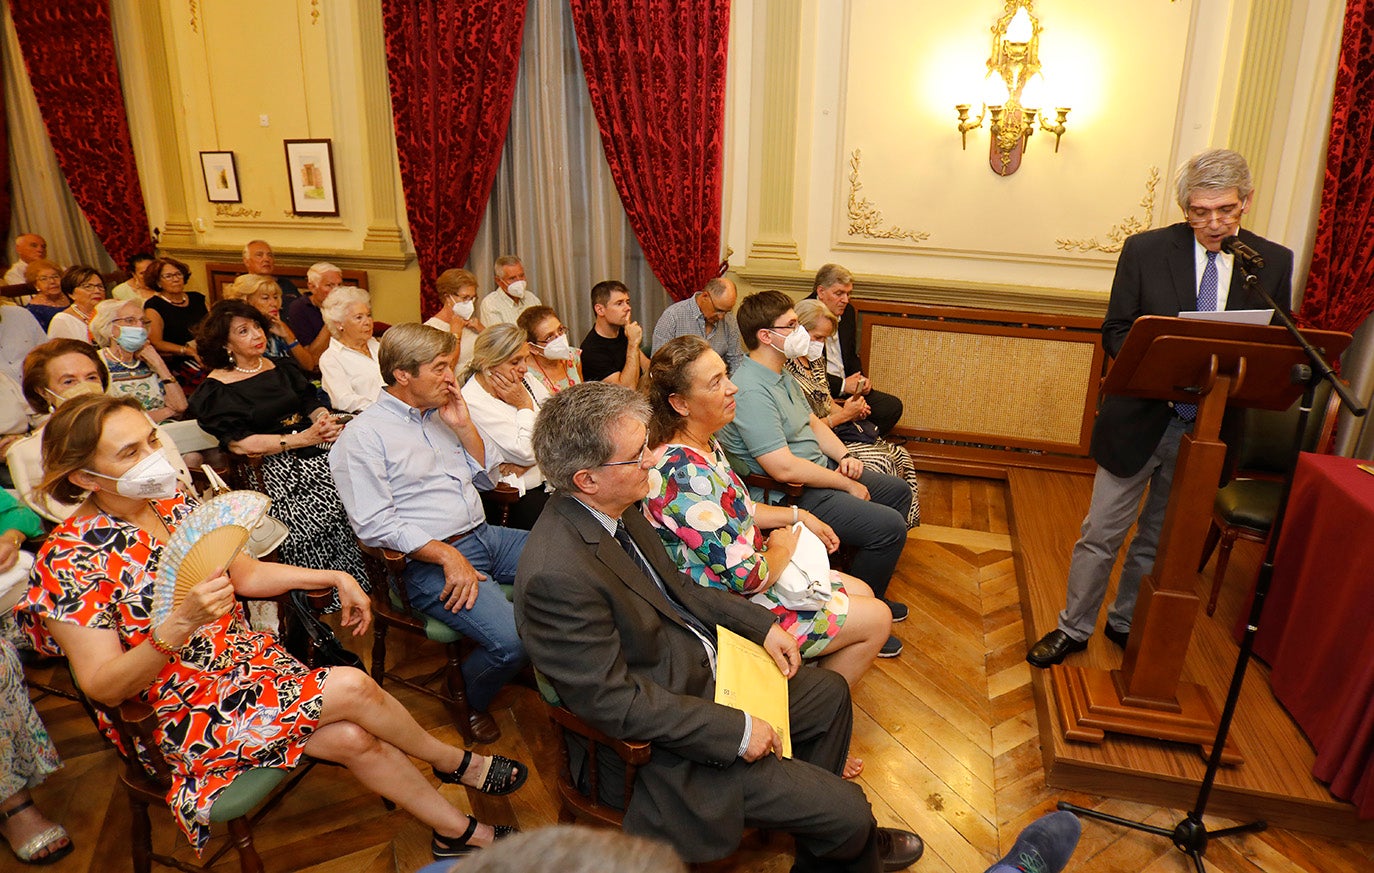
(351, 379)
(506, 427)
(64, 324)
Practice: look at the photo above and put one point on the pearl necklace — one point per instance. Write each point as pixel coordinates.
(256, 369)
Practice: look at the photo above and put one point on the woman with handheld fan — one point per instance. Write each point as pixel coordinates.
(227, 699)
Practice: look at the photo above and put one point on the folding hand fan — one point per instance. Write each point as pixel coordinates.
(203, 545)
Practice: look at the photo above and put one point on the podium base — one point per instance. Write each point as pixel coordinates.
(1090, 705)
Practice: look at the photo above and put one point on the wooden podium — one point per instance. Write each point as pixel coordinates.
(1212, 364)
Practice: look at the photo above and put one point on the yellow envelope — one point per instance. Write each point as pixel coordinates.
(748, 679)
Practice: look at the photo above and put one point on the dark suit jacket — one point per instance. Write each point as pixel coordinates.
(848, 332)
(621, 658)
(1156, 275)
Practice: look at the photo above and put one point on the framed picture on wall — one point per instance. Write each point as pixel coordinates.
(221, 177)
(310, 172)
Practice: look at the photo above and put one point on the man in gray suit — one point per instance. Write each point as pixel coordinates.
(629, 644)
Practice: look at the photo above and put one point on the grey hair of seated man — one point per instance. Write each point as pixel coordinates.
(335, 309)
(318, 271)
(574, 849)
(408, 347)
(574, 428)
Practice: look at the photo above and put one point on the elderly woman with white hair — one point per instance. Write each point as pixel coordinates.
(263, 293)
(503, 402)
(348, 368)
(120, 331)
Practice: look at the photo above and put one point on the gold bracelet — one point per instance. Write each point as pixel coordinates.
(161, 647)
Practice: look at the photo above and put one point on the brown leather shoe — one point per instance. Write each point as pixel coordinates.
(899, 849)
(1054, 647)
(484, 727)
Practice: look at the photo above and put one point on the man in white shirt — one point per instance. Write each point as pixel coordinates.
(512, 295)
(29, 247)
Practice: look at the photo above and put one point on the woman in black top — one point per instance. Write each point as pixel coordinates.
(173, 314)
(266, 408)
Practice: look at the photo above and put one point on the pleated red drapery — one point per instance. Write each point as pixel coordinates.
(452, 65)
(1340, 284)
(68, 47)
(656, 75)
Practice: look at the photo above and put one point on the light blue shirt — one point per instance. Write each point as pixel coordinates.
(404, 477)
(684, 318)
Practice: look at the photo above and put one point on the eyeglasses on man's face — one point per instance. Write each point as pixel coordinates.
(637, 461)
(1224, 215)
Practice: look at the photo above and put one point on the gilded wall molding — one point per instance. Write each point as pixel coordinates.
(865, 218)
(224, 210)
(1116, 236)
(194, 12)
(314, 12)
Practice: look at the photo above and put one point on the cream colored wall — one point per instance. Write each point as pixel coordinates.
(861, 143)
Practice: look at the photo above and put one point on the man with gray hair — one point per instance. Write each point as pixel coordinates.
(843, 368)
(304, 315)
(709, 314)
(408, 469)
(259, 259)
(1135, 442)
(29, 247)
(512, 295)
(629, 644)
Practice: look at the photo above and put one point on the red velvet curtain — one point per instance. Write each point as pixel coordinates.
(1340, 284)
(452, 65)
(68, 46)
(656, 74)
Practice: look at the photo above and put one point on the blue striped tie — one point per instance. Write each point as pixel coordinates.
(1206, 302)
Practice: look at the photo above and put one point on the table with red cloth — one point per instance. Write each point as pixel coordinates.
(1317, 632)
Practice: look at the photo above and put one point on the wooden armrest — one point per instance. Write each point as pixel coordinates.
(768, 483)
(392, 559)
(630, 751)
(139, 720)
(504, 493)
(137, 714)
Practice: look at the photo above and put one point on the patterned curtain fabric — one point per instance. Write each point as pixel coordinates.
(656, 75)
(68, 47)
(452, 65)
(1340, 284)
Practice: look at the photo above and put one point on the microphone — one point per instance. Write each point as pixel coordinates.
(1233, 246)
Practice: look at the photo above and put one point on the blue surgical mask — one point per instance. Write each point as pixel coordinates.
(131, 339)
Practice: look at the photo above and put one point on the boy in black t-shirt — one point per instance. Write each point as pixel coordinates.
(610, 351)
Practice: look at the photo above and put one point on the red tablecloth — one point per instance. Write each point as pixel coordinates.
(1317, 632)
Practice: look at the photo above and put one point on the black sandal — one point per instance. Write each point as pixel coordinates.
(502, 777)
(444, 847)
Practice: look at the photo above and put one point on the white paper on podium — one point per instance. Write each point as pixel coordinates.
(1233, 316)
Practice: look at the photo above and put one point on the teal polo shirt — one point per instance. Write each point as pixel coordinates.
(770, 412)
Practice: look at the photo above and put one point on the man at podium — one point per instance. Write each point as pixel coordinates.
(1135, 441)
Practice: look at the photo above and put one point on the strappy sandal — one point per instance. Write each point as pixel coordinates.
(502, 777)
(28, 853)
(456, 847)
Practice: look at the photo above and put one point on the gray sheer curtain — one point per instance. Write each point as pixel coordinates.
(41, 201)
(554, 203)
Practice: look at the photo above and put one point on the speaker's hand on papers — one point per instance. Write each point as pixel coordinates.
(783, 647)
(763, 739)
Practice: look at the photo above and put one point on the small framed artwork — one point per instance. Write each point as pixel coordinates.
(221, 177)
(310, 171)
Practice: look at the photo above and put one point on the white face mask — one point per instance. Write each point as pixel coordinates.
(154, 478)
(517, 288)
(558, 349)
(463, 309)
(815, 350)
(796, 344)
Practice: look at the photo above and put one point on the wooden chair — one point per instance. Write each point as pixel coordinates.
(391, 608)
(1245, 507)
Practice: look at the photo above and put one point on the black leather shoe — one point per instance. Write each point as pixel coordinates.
(1054, 647)
(1117, 636)
(899, 849)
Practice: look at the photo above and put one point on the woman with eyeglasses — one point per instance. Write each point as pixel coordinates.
(553, 361)
(85, 288)
(48, 298)
(173, 314)
(136, 369)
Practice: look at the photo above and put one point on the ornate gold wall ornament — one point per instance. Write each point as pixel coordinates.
(224, 210)
(865, 218)
(314, 12)
(191, 5)
(1128, 226)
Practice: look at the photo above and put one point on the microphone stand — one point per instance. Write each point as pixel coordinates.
(1190, 835)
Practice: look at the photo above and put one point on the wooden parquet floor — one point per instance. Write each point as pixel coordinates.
(948, 732)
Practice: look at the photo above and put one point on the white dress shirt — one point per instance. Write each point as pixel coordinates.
(498, 307)
(509, 429)
(351, 379)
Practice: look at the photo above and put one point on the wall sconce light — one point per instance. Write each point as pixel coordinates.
(1013, 91)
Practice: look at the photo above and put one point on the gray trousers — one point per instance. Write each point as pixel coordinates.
(1115, 504)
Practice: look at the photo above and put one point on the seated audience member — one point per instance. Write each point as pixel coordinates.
(54, 372)
(503, 401)
(263, 294)
(29, 247)
(271, 412)
(17, 421)
(227, 699)
(27, 756)
(408, 469)
(709, 314)
(348, 368)
(304, 312)
(18, 525)
(556, 363)
(134, 288)
(136, 369)
(173, 314)
(629, 644)
(848, 418)
(776, 433)
(458, 293)
(713, 531)
(512, 295)
(610, 350)
(259, 260)
(19, 332)
(844, 370)
(85, 288)
(48, 298)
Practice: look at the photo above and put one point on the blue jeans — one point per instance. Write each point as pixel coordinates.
(490, 623)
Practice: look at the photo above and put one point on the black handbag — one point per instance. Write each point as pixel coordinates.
(311, 641)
